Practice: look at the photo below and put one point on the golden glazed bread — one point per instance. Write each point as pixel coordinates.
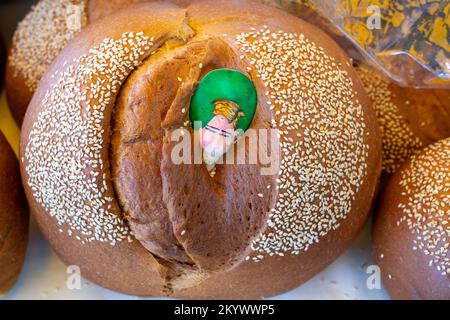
(13, 218)
(411, 231)
(97, 166)
(41, 35)
(409, 119)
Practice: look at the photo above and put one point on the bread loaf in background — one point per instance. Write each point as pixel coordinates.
(410, 119)
(40, 36)
(13, 218)
(411, 229)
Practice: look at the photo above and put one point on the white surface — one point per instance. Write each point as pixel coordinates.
(44, 275)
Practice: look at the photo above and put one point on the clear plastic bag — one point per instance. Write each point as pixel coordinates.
(407, 40)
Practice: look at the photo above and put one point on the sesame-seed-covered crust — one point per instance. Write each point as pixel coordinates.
(46, 29)
(96, 153)
(409, 119)
(412, 231)
(39, 37)
(322, 138)
(75, 204)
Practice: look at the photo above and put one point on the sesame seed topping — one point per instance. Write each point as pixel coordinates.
(63, 156)
(426, 206)
(398, 141)
(323, 167)
(41, 35)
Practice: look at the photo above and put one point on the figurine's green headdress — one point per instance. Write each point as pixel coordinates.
(227, 92)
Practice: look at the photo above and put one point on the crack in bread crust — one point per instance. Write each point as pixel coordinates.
(77, 144)
(182, 67)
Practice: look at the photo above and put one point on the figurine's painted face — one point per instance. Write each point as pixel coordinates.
(216, 137)
(220, 133)
(224, 102)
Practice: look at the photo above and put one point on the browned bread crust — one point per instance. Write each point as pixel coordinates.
(13, 218)
(96, 149)
(410, 119)
(41, 35)
(411, 242)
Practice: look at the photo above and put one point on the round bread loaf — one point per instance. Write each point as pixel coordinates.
(13, 218)
(409, 119)
(101, 180)
(41, 35)
(412, 230)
